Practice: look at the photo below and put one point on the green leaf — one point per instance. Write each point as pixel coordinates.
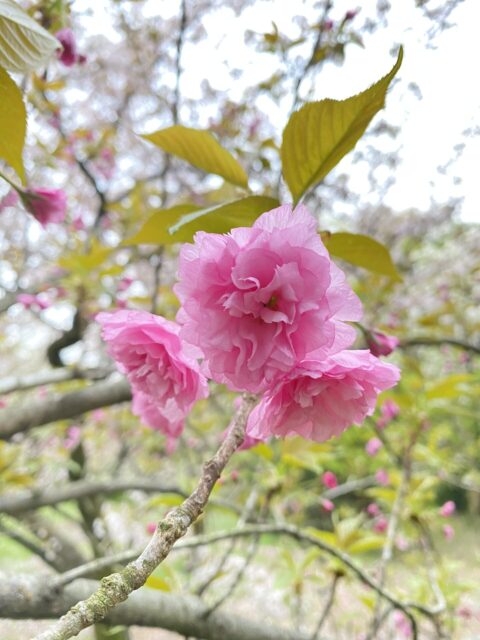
(180, 223)
(202, 150)
(222, 218)
(24, 44)
(318, 135)
(362, 251)
(13, 122)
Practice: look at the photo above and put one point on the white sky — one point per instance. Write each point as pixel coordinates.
(447, 76)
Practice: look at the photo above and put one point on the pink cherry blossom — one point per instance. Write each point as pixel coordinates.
(327, 505)
(382, 477)
(32, 301)
(373, 510)
(373, 446)
(329, 479)
(380, 344)
(99, 415)
(163, 373)
(151, 527)
(46, 205)
(381, 525)
(448, 509)
(448, 531)
(256, 301)
(320, 399)
(235, 475)
(9, 200)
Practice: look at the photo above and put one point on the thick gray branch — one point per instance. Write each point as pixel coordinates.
(50, 376)
(28, 597)
(34, 413)
(29, 500)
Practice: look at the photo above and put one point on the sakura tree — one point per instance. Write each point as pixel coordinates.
(219, 391)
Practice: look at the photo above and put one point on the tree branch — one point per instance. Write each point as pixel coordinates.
(24, 596)
(57, 406)
(29, 500)
(439, 342)
(50, 376)
(117, 587)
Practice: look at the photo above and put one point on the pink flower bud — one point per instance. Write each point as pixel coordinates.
(381, 525)
(9, 200)
(373, 510)
(327, 505)
(448, 531)
(402, 624)
(350, 15)
(401, 543)
(78, 223)
(235, 475)
(464, 612)
(46, 205)
(380, 344)
(73, 437)
(151, 527)
(373, 446)
(382, 477)
(328, 25)
(448, 509)
(329, 479)
(68, 55)
(124, 284)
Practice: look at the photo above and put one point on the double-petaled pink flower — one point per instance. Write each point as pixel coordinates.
(321, 398)
(162, 371)
(257, 300)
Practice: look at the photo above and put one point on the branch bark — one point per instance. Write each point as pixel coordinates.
(117, 587)
(25, 596)
(16, 419)
(439, 342)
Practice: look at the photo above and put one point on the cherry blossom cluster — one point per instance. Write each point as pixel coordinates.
(265, 310)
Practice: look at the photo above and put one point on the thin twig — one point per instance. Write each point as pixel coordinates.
(328, 606)
(116, 587)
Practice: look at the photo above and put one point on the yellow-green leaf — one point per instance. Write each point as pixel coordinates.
(13, 122)
(452, 386)
(318, 135)
(362, 251)
(156, 228)
(24, 44)
(154, 582)
(222, 218)
(202, 150)
(180, 223)
(367, 544)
